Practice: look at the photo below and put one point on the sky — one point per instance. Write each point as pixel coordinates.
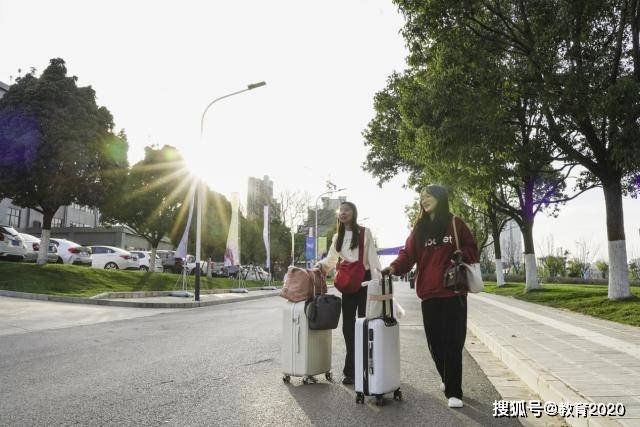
(157, 64)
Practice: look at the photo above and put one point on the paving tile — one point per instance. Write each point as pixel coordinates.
(598, 359)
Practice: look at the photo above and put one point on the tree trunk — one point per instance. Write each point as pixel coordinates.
(293, 244)
(152, 259)
(531, 271)
(47, 217)
(496, 230)
(618, 269)
(498, 256)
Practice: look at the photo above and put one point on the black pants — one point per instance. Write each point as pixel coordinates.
(445, 324)
(351, 303)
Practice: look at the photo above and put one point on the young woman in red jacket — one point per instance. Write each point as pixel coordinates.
(432, 246)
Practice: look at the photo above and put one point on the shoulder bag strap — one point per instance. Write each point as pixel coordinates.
(361, 244)
(312, 276)
(455, 233)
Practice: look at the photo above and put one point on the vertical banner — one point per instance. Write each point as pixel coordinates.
(310, 249)
(181, 252)
(232, 251)
(265, 236)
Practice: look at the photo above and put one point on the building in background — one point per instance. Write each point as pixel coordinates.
(73, 215)
(4, 88)
(327, 216)
(259, 194)
(511, 247)
(120, 236)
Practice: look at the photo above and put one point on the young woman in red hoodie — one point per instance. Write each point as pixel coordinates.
(432, 246)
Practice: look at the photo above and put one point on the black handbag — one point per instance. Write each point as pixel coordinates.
(455, 276)
(323, 311)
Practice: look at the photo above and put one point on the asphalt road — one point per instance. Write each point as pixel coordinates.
(217, 365)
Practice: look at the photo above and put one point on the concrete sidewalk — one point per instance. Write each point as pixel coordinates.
(563, 356)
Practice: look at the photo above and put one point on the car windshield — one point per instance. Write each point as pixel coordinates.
(9, 230)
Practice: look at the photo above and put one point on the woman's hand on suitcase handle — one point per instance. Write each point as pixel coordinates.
(388, 271)
(320, 267)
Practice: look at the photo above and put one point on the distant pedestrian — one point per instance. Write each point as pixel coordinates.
(431, 245)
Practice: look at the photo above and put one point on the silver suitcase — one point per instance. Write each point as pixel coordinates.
(305, 352)
(377, 360)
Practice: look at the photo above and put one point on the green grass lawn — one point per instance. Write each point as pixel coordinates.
(77, 281)
(585, 299)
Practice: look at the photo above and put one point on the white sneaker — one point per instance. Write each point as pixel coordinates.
(442, 387)
(454, 402)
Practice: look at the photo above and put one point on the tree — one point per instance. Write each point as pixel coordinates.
(553, 261)
(58, 146)
(584, 60)
(215, 225)
(293, 207)
(586, 252)
(634, 270)
(155, 190)
(603, 266)
(480, 120)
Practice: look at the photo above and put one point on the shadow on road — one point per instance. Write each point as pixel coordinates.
(334, 404)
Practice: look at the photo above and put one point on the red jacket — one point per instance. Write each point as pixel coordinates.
(433, 260)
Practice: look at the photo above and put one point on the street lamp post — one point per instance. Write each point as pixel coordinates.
(315, 231)
(201, 187)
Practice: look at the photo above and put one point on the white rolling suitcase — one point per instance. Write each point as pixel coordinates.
(378, 354)
(305, 352)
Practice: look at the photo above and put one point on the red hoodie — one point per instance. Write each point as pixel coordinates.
(434, 259)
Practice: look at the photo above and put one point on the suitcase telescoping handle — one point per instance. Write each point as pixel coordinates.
(384, 292)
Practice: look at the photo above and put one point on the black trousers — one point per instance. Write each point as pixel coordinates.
(445, 324)
(352, 304)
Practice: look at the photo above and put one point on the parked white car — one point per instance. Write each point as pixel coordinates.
(191, 265)
(143, 259)
(11, 244)
(112, 258)
(33, 247)
(71, 253)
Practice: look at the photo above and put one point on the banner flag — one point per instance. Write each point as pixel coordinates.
(181, 252)
(265, 236)
(232, 251)
(390, 251)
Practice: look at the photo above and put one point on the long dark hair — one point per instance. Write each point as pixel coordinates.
(424, 227)
(355, 229)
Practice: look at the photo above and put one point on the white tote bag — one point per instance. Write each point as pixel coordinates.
(474, 273)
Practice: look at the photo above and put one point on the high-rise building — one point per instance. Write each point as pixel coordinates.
(259, 194)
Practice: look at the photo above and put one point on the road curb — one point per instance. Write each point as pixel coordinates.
(537, 378)
(147, 294)
(136, 304)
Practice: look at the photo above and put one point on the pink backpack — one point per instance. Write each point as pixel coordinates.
(299, 284)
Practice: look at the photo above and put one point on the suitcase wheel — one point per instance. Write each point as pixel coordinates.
(329, 376)
(286, 379)
(309, 380)
(379, 400)
(359, 397)
(397, 395)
